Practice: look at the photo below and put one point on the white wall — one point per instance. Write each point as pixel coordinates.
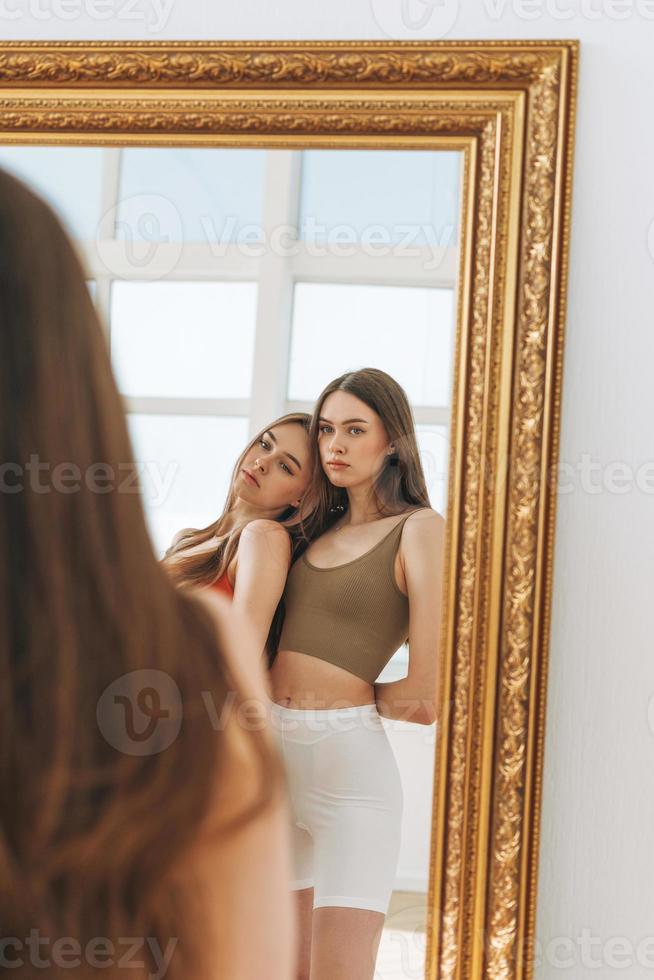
(413, 746)
(596, 846)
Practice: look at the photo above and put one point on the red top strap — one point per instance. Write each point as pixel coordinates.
(223, 585)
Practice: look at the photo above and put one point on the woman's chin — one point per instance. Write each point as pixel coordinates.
(248, 497)
(336, 479)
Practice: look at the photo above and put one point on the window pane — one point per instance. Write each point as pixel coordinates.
(433, 444)
(406, 192)
(200, 195)
(176, 339)
(185, 465)
(406, 331)
(397, 667)
(68, 177)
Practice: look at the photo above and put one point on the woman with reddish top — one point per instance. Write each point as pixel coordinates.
(246, 553)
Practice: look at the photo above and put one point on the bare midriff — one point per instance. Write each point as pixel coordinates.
(299, 680)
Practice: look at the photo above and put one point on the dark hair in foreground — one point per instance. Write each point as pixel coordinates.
(93, 840)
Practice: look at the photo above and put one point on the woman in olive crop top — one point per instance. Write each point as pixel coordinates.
(246, 552)
(369, 579)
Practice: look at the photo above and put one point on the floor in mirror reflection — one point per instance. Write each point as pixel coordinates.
(403, 944)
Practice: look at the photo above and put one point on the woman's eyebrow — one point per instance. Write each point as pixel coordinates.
(290, 455)
(346, 422)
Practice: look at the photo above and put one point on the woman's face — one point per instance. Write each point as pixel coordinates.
(352, 434)
(279, 466)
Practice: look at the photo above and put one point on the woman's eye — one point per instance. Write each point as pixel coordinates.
(266, 445)
(353, 428)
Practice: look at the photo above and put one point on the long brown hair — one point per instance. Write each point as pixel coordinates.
(400, 483)
(93, 839)
(202, 569)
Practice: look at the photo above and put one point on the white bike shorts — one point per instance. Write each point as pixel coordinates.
(346, 803)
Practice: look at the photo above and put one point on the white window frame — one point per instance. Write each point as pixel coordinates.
(275, 275)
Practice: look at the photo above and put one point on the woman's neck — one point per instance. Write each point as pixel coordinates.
(243, 512)
(361, 508)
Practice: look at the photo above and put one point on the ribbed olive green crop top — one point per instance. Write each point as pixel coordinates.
(351, 615)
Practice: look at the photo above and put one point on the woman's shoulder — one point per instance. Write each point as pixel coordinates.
(422, 527)
(263, 533)
(417, 514)
(265, 525)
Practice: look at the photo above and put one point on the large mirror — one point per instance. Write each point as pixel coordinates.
(235, 284)
(238, 272)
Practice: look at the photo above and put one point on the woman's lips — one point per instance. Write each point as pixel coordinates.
(337, 466)
(250, 478)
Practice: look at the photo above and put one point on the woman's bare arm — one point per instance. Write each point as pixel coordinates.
(413, 698)
(264, 557)
(246, 882)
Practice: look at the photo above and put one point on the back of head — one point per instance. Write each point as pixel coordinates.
(95, 822)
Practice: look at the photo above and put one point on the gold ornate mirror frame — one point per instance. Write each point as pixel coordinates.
(509, 107)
